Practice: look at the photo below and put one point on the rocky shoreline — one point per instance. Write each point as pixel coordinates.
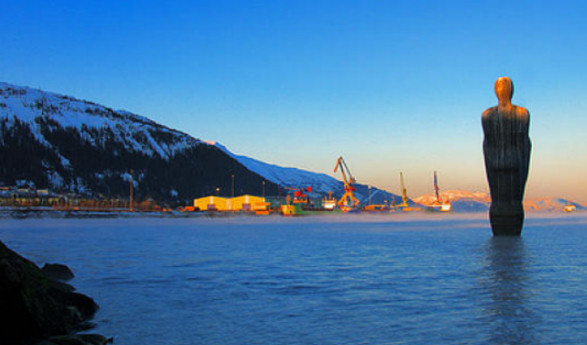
(39, 307)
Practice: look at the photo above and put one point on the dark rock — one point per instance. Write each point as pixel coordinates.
(95, 339)
(34, 306)
(58, 272)
(66, 340)
(78, 339)
(84, 304)
(506, 149)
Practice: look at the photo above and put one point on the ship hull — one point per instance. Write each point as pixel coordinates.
(298, 210)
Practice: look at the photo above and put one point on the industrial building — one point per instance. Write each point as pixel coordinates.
(246, 203)
(212, 203)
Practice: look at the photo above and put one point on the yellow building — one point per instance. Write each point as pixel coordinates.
(212, 203)
(247, 203)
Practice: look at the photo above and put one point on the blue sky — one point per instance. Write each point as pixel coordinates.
(391, 86)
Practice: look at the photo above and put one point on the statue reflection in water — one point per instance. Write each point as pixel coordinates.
(505, 293)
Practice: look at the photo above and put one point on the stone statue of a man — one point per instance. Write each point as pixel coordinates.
(507, 158)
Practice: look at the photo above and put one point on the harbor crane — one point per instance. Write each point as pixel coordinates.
(444, 206)
(404, 203)
(348, 200)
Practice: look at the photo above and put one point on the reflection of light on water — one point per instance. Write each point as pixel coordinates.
(505, 287)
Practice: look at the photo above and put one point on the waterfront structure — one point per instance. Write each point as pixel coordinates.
(506, 149)
(212, 203)
(245, 203)
(249, 203)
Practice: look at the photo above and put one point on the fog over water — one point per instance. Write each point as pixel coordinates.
(369, 279)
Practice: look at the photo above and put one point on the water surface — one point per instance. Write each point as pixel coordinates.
(350, 280)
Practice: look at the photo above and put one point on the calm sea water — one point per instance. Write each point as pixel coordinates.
(350, 280)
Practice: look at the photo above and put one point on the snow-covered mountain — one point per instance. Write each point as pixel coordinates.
(549, 205)
(62, 143)
(297, 178)
(287, 177)
(54, 141)
(461, 201)
(44, 110)
(466, 201)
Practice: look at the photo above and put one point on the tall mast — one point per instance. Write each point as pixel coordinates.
(436, 189)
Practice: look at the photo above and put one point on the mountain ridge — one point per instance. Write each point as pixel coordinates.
(469, 201)
(82, 147)
(48, 140)
(321, 183)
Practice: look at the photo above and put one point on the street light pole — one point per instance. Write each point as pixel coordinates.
(232, 186)
(131, 183)
(263, 188)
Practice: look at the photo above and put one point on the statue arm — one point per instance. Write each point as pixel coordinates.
(488, 145)
(486, 125)
(524, 138)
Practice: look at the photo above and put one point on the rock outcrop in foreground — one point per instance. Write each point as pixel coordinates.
(37, 309)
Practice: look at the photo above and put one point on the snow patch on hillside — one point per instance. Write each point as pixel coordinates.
(297, 178)
(134, 132)
(461, 201)
(549, 204)
(285, 176)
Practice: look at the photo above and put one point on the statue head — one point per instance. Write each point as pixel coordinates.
(504, 90)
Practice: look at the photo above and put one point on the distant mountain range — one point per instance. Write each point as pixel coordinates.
(550, 205)
(466, 201)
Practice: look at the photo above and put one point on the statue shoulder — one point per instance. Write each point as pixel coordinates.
(489, 113)
(522, 113)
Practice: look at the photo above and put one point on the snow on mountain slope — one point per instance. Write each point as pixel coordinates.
(51, 141)
(297, 178)
(549, 205)
(287, 177)
(461, 201)
(466, 201)
(136, 133)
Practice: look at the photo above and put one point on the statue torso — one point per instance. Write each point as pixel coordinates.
(506, 135)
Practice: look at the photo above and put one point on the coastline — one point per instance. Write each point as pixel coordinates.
(10, 213)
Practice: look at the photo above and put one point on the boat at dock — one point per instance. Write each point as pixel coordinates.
(304, 210)
(302, 205)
